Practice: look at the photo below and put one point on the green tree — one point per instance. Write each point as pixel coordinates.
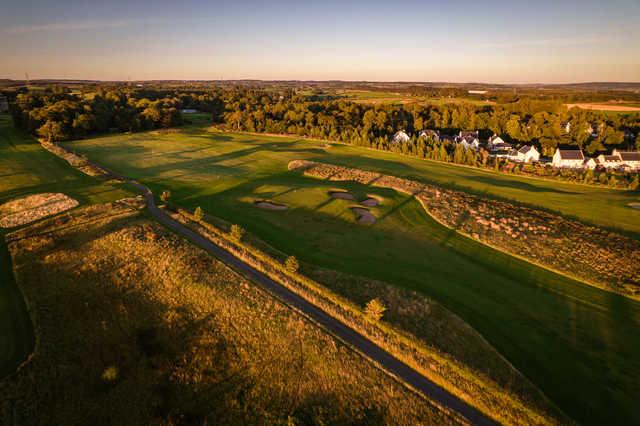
(237, 232)
(198, 214)
(291, 264)
(375, 309)
(51, 131)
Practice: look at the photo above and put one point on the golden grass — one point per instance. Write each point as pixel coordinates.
(135, 326)
(28, 209)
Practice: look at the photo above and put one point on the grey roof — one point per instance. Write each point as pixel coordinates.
(629, 155)
(525, 149)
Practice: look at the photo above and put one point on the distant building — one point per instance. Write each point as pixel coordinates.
(609, 161)
(631, 159)
(468, 142)
(590, 163)
(188, 111)
(497, 144)
(568, 158)
(528, 154)
(565, 126)
(431, 134)
(4, 104)
(400, 137)
(477, 92)
(472, 133)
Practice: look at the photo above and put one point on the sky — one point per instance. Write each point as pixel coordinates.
(493, 41)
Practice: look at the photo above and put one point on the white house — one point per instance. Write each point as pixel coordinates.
(528, 154)
(566, 126)
(432, 134)
(631, 159)
(609, 161)
(469, 142)
(496, 143)
(466, 133)
(400, 137)
(568, 158)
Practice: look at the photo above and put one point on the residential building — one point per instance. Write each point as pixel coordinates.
(431, 134)
(497, 144)
(568, 158)
(565, 126)
(469, 142)
(609, 161)
(400, 137)
(528, 154)
(631, 159)
(590, 163)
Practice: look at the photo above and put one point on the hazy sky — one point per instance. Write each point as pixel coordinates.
(400, 40)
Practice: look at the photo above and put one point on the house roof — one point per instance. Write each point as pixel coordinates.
(466, 133)
(613, 158)
(525, 149)
(629, 155)
(571, 154)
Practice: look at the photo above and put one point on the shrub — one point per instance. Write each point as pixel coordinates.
(198, 214)
(165, 196)
(375, 309)
(236, 232)
(291, 264)
(110, 374)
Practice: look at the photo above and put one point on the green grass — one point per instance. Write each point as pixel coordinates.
(26, 168)
(579, 344)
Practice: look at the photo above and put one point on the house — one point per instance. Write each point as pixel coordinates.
(469, 142)
(189, 111)
(4, 104)
(466, 133)
(528, 154)
(400, 137)
(568, 158)
(609, 161)
(566, 126)
(497, 144)
(430, 134)
(631, 159)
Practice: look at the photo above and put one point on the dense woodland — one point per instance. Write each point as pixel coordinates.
(55, 115)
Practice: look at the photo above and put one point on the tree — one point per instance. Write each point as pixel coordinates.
(51, 131)
(198, 214)
(237, 232)
(165, 196)
(291, 264)
(375, 309)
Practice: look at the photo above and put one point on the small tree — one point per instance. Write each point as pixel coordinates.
(198, 214)
(291, 264)
(237, 232)
(110, 374)
(375, 309)
(165, 196)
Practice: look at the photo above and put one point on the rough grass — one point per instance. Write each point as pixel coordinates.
(556, 331)
(155, 331)
(26, 169)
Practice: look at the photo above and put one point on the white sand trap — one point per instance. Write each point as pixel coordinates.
(370, 202)
(343, 195)
(364, 216)
(634, 205)
(269, 205)
(29, 209)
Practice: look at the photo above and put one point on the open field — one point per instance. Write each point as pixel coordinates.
(159, 332)
(558, 332)
(383, 97)
(613, 107)
(25, 169)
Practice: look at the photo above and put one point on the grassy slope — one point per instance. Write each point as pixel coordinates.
(193, 343)
(559, 332)
(26, 168)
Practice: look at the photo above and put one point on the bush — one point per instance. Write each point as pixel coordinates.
(110, 374)
(291, 264)
(165, 196)
(198, 214)
(236, 233)
(375, 309)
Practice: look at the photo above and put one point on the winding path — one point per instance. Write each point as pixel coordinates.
(345, 333)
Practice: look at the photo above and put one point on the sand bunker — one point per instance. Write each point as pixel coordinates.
(634, 205)
(29, 209)
(364, 216)
(343, 195)
(370, 202)
(269, 205)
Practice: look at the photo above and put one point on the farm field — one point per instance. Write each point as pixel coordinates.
(384, 97)
(26, 168)
(609, 107)
(558, 332)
